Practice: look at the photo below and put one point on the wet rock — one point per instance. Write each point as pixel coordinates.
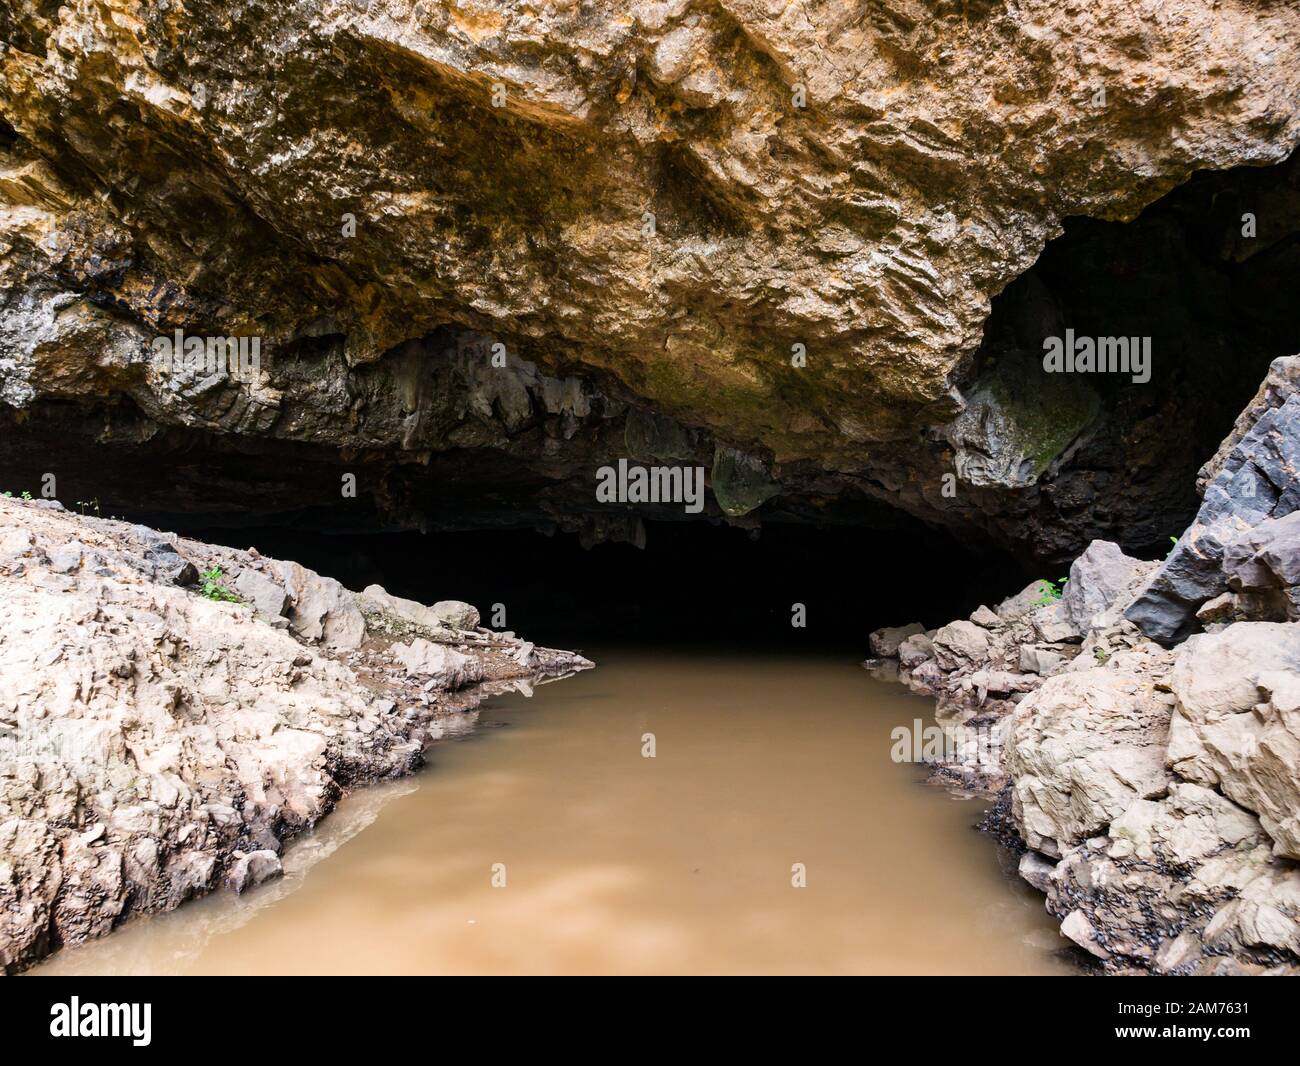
(446, 667)
(914, 650)
(252, 869)
(885, 642)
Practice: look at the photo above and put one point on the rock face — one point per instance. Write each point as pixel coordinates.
(157, 742)
(1255, 481)
(1157, 789)
(765, 239)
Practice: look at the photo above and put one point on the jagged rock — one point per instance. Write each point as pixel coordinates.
(1255, 482)
(983, 616)
(914, 650)
(267, 597)
(152, 739)
(1036, 870)
(1022, 603)
(446, 667)
(252, 869)
(1100, 578)
(1039, 659)
(1053, 625)
(1223, 608)
(886, 642)
(1082, 748)
(321, 610)
(1237, 723)
(1262, 566)
(960, 644)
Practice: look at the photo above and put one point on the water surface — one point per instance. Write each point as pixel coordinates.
(616, 863)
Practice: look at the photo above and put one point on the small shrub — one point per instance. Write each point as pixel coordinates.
(210, 586)
(1051, 591)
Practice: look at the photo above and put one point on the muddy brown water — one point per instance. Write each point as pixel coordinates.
(616, 863)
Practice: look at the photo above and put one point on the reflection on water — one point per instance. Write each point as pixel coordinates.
(617, 863)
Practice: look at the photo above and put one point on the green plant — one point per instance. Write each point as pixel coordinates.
(83, 504)
(210, 586)
(1100, 654)
(1051, 591)
(1174, 542)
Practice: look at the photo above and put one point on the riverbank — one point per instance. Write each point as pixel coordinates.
(1145, 721)
(171, 712)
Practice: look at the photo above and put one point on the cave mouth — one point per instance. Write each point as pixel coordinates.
(693, 586)
(1207, 276)
(1215, 294)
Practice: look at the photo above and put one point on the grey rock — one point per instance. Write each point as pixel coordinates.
(959, 644)
(1053, 624)
(1255, 482)
(914, 650)
(1037, 870)
(1099, 578)
(267, 597)
(885, 642)
(1038, 659)
(252, 869)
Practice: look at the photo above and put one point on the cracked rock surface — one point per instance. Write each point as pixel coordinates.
(648, 205)
(156, 744)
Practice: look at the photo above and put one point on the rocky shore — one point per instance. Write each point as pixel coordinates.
(171, 712)
(1145, 721)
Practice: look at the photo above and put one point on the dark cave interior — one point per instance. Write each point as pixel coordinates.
(1218, 305)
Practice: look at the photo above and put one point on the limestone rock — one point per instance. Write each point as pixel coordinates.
(1083, 747)
(1102, 577)
(960, 643)
(1237, 723)
(446, 667)
(885, 642)
(1255, 482)
(148, 734)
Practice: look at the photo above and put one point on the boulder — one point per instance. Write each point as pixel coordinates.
(1100, 578)
(1262, 565)
(1237, 721)
(267, 597)
(252, 869)
(885, 642)
(1053, 624)
(1255, 482)
(445, 614)
(1039, 659)
(1022, 603)
(983, 616)
(321, 610)
(446, 667)
(1082, 748)
(915, 650)
(959, 644)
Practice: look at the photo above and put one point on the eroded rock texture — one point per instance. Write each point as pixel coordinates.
(171, 711)
(669, 198)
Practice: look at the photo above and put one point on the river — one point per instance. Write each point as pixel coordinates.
(546, 842)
